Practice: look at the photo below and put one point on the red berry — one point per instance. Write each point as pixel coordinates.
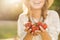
(37, 28)
(33, 28)
(44, 26)
(39, 23)
(28, 24)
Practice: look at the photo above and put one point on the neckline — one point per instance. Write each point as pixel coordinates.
(34, 20)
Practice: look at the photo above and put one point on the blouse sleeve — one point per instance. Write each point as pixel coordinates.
(56, 21)
(54, 29)
(20, 31)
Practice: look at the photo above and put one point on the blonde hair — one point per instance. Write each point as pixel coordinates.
(44, 10)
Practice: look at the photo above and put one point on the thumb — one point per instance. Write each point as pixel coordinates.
(29, 31)
(41, 28)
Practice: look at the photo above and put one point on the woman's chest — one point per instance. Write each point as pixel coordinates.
(50, 25)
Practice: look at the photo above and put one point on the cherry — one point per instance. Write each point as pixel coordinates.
(39, 23)
(37, 28)
(29, 24)
(44, 26)
(34, 28)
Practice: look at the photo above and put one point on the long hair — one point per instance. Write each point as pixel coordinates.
(44, 10)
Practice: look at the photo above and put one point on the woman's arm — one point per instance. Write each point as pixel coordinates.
(28, 36)
(23, 35)
(53, 32)
(45, 36)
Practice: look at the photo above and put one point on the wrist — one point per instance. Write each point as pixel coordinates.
(45, 36)
(44, 33)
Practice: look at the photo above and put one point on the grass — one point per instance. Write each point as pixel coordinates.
(8, 29)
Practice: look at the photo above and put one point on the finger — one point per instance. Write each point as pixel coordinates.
(27, 28)
(37, 31)
(35, 34)
(42, 29)
(29, 31)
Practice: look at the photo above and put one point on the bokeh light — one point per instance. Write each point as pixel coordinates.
(12, 8)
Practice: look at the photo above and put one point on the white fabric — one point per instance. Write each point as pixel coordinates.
(52, 21)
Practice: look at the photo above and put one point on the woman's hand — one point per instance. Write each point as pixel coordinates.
(37, 32)
(29, 35)
(44, 34)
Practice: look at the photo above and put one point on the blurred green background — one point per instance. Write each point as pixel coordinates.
(9, 12)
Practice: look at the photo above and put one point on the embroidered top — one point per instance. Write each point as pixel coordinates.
(52, 21)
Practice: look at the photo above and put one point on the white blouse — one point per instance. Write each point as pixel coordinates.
(52, 21)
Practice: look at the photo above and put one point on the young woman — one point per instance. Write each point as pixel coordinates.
(38, 12)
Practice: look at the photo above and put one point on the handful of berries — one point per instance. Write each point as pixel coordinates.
(35, 26)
